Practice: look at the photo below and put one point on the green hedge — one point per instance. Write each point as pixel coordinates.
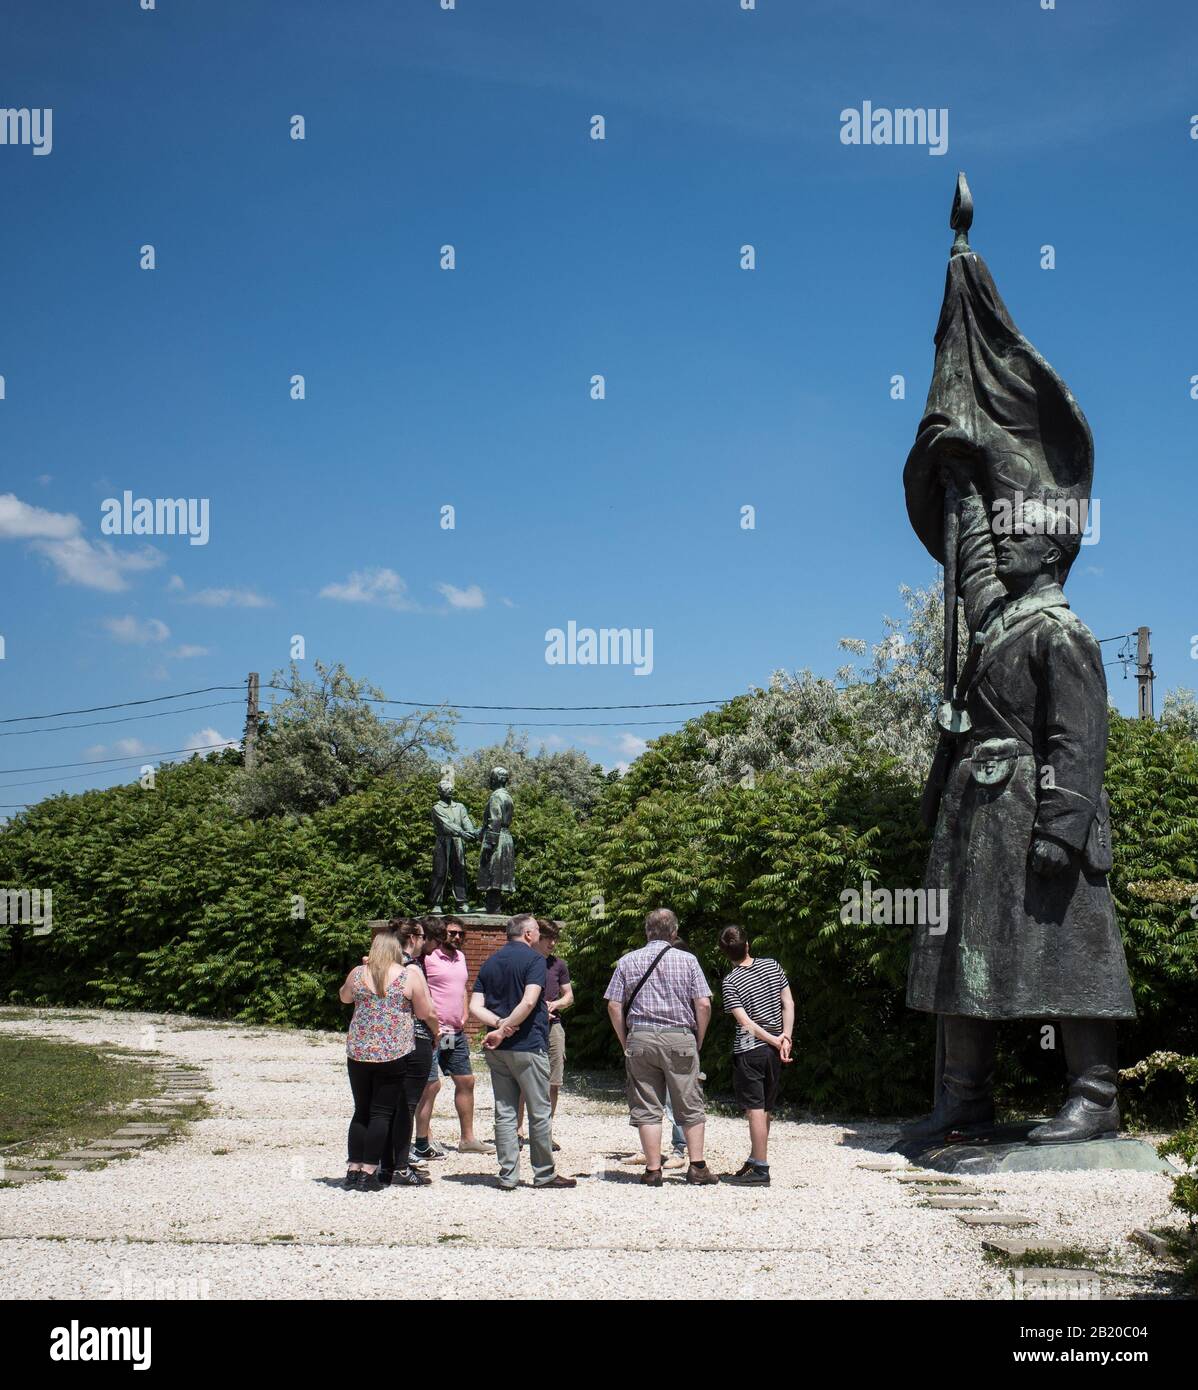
(164, 900)
(776, 857)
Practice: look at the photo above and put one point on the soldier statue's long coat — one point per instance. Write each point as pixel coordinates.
(1020, 944)
(497, 862)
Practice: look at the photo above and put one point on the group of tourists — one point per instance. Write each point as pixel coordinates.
(413, 1003)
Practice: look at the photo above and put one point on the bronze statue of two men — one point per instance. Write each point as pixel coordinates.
(997, 484)
(453, 827)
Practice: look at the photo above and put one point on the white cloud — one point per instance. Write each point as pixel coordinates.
(95, 564)
(507, 603)
(382, 586)
(137, 631)
(472, 597)
(187, 650)
(631, 746)
(207, 738)
(229, 598)
(21, 522)
(122, 748)
(173, 584)
(58, 536)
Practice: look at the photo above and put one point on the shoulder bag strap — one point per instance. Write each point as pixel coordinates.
(640, 983)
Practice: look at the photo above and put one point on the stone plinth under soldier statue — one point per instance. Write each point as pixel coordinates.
(453, 826)
(996, 487)
(497, 860)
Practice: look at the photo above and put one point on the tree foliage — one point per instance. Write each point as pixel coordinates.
(235, 895)
(164, 899)
(327, 739)
(802, 722)
(566, 773)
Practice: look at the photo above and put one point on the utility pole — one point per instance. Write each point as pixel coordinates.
(251, 719)
(1144, 672)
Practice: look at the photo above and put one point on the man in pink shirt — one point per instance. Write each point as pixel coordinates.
(444, 965)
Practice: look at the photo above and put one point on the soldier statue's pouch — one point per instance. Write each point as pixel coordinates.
(993, 760)
(1097, 851)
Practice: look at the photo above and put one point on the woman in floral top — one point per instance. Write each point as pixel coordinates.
(386, 995)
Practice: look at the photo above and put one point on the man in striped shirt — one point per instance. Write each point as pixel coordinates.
(757, 995)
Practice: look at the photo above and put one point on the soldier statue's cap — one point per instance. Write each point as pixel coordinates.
(994, 401)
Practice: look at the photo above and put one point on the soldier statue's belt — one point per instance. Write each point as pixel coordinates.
(992, 760)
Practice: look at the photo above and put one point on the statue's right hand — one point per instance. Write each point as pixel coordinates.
(1048, 857)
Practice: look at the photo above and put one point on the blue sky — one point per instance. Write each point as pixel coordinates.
(425, 387)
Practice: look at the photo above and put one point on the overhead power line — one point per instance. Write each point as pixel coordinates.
(120, 704)
(124, 719)
(454, 704)
(121, 758)
(558, 724)
(126, 767)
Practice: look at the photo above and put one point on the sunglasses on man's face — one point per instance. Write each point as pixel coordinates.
(452, 934)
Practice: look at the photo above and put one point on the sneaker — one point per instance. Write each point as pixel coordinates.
(748, 1176)
(674, 1161)
(557, 1181)
(408, 1177)
(472, 1146)
(351, 1179)
(506, 1186)
(385, 1175)
(424, 1152)
(700, 1177)
(368, 1182)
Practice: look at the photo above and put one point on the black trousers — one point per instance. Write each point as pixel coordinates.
(377, 1087)
(417, 1065)
(449, 862)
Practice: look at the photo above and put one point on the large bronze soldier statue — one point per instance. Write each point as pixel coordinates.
(1002, 461)
(453, 826)
(497, 860)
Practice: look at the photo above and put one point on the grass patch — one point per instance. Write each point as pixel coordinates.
(1073, 1258)
(58, 1095)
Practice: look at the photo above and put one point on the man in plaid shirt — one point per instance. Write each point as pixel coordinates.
(661, 1032)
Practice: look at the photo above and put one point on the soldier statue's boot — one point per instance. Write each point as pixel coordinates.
(1092, 1109)
(966, 1099)
(951, 1115)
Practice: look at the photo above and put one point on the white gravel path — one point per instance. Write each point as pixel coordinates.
(244, 1206)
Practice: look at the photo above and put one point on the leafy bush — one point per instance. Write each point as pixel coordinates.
(165, 900)
(327, 738)
(775, 858)
(170, 899)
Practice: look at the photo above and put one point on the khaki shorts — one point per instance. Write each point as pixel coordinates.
(663, 1063)
(557, 1054)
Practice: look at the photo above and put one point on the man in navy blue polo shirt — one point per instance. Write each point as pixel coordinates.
(509, 999)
